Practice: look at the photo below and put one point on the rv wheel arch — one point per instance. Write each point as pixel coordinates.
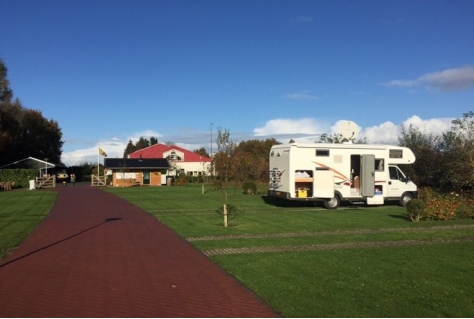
(405, 198)
(334, 202)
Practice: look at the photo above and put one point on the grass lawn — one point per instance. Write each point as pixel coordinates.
(20, 213)
(405, 269)
(354, 262)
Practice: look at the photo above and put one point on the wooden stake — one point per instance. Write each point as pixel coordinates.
(225, 215)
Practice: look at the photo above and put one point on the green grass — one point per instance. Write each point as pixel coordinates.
(431, 280)
(20, 213)
(424, 281)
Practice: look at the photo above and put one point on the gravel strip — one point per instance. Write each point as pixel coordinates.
(251, 250)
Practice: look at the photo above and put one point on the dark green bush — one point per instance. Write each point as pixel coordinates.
(20, 176)
(181, 180)
(415, 209)
(250, 188)
(466, 209)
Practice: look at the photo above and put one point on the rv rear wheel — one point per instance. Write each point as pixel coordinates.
(406, 197)
(333, 203)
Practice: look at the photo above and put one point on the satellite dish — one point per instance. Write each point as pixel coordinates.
(348, 130)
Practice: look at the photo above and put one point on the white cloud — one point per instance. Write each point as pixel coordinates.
(113, 147)
(449, 80)
(388, 132)
(308, 130)
(293, 126)
(146, 134)
(385, 133)
(430, 126)
(303, 130)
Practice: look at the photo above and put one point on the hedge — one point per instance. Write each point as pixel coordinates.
(20, 176)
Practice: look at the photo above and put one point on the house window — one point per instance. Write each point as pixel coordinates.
(173, 156)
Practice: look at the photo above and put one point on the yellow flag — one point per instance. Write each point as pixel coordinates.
(101, 152)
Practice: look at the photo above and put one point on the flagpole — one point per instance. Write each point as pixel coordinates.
(98, 159)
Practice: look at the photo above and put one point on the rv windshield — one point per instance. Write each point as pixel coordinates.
(397, 174)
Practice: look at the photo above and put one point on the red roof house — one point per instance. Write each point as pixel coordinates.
(181, 160)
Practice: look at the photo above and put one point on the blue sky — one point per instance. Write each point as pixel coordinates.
(110, 71)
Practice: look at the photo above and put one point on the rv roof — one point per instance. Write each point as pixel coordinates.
(343, 145)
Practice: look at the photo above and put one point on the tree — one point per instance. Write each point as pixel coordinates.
(223, 161)
(223, 157)
(142, 143)
(458, 154)
(153, 140)
(337, 138)
(6, 118)
(41, 138)
(202, 151)
(445, 161)
(6, 93)
(130, 148)
(251, 160)
(25, 132)
(426, 169)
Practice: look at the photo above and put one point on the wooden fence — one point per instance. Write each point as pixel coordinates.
(98, 180)
(46, 182)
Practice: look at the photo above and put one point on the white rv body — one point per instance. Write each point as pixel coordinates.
(340, 172)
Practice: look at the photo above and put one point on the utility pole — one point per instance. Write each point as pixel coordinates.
(211, 139)
(212, 159)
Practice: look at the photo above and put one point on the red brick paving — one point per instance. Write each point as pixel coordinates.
(96, 255)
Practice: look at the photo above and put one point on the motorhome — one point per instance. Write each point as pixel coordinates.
(333, 173)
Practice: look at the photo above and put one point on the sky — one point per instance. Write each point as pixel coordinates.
(110, 71)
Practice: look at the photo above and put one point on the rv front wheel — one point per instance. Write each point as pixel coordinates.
(333, 203)
(406, 197)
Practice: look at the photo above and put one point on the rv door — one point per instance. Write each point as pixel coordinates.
(368, 175)
(398, 182)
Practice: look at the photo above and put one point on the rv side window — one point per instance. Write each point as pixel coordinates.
(379, 164)
(322, 152)
(395, 153)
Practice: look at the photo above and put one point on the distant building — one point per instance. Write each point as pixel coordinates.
(136, 171)
(181, 160)
(44, 167)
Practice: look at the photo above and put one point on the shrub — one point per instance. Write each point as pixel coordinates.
(432, 205)
(426, 193)
(181, 180)
(250, 188)
(415, 208)
(466, 209)
(20, 176)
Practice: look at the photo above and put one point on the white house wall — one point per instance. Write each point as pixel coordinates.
(197, 168)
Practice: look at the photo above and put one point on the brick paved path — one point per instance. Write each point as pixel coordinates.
(96, 255)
